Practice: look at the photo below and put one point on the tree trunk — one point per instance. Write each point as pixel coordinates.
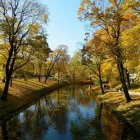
(100, 111)
(11, 82)
(101, 84)
(47, 76)
(39, 78)
(4, 130)
(127, 78)
(39, 74)
(24, 77)
(9, 73)
(6, 87)
(123, 82)
(48, 73)
(100, 78)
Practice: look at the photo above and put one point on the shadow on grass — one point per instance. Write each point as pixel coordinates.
(28, 84)
(135, 85)
(16, 104)
(11, 104)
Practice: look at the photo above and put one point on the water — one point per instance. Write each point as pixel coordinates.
(70, 113)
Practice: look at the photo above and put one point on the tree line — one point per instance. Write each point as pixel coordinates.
(24, 48)
(113, 41)
(110, 53)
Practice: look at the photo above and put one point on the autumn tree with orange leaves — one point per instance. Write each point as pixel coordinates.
(112, 18)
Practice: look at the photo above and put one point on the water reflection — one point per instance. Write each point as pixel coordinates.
(4, 130)
(66, 114)
(88, 128)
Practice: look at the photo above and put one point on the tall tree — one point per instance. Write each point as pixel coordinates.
(17, 17)
(94, 57)
(76, 70)
(111, 17)
(54, 57)
(60, 68)
(130, 43)
(41, 53)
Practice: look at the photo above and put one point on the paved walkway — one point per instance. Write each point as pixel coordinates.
(134, 93)
(120, 91)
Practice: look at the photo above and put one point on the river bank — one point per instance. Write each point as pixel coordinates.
(22, 94)
(25, 93)
(128, 113)
(68, 113)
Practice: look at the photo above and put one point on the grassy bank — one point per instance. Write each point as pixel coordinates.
(22, 94)
(128, 112)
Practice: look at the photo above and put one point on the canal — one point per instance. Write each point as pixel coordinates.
(70, 113)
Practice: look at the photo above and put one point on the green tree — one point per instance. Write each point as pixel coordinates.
(17, 17)
(54, 57)
(76, 70)
(94, 57)
(41, 53)
(60, 68)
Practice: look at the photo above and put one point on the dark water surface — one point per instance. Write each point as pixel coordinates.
(70, 113)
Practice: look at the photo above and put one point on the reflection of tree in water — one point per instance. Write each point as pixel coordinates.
(39, 122)
(112, 128)
(87, 128)
(126, 135)
(52, 111)
(73, 105)
(4, 131)
(102, 127)
(59, 119)
(31, 126)
(34, 122)
(10, 129)
(57, 113)
(83, 98)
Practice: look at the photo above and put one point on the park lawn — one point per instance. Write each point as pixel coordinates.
(22, 93)
(129, 111)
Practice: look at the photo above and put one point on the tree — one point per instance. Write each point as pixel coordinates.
(74, 66)
(41, 52)
(36, 67)
(60, 68)
(17, 17)
(130, 43)
(109, 70)
(76, 70)
(94, 57)
(26, 72)
(53, 59)
(112, 17)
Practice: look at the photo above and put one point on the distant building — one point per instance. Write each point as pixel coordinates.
(133, 77)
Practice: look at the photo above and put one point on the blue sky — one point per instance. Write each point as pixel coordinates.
(64, 27)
